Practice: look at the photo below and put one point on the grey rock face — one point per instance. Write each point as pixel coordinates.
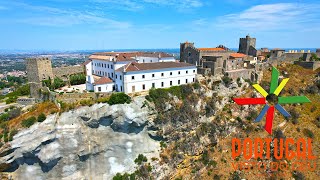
(88, 143)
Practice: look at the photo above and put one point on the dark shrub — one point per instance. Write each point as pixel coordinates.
(28, 122)
(119, 98)
(77, 79)
(308, 133)
(196, 85)
(12, 133)
(140, 159)
(317, 122)
(252, 115)
(41, 117)
(298, 175)
(226, 80)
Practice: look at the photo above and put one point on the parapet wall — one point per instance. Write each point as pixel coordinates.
(62, 72)
(77, 97)
(308, 65)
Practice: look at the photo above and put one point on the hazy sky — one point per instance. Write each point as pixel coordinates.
(120, 24)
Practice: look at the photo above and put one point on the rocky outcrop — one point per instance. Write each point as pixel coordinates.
(88, 143)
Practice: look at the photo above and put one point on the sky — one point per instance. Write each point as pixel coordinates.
(148, 24)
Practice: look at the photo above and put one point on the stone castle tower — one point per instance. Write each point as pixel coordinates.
(183, 47)
(247, 45)
(38, 69)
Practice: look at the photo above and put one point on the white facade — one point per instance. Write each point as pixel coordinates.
(138, 81)
(104, 87)
(141, 59)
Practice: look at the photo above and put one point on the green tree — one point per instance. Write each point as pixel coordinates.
(28, 122)
(119, 98)
(57, 83)
(77, 79)
(140, 159)
(314, 57)
(41, 117)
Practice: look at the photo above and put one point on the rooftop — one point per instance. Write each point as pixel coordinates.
(211, 49)
(237, 55)
(103, 80)
(133, 66)
(127, 56)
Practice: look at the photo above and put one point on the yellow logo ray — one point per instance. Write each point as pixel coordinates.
(260, 90)
(281, 86)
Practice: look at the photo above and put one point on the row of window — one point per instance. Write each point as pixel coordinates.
(113, 88)
(101, 73)
(103, 65)
(162, 74)
(162, 84)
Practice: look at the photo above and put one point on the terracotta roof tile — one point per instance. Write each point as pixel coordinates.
(211, 49)
(237, 55)
(152, 66)
(103, 80)
(87, 62)
(127, 56)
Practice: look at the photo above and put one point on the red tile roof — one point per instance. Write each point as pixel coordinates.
(127, 56)
(87, 62)
(133, 66)
(211, 49)
(237, 55)
(103, 80)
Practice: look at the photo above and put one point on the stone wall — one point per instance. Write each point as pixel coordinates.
(242, 73)
(294, 56)
(63, 72)
(77, 97)
(26, 101)
(204, 71)
(308, 65)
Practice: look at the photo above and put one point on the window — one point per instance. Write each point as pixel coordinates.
(193, 79)
(178, 72)
(170, 83)
(194, 71)
(120, 77)
(170, 73)
(178, 81)
(108, 66)
(107, 88)
(150, 60)
(152, 75)
(112, 75)
(162, 74)
(143, 76)
(142, 60)
(162, 84)
(116, 76)
(186, 72)
(143, 86)
(108, 74)
(133, 88)
(121, 88)
(132, 77)
(153, 85)
(186, 80)
(99, 89)
(189, 54)
(111, 66)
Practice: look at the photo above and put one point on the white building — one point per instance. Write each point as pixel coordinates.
(136, 72)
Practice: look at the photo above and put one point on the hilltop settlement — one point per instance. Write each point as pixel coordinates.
(152, 115)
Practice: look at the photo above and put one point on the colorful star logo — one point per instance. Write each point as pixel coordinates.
(272, 99)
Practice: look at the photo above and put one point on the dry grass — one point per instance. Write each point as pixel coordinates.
(46, 108)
